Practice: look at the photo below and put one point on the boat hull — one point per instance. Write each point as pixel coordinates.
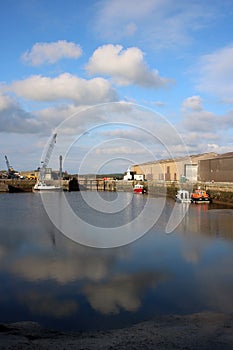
(18, 189)
(200, 196)
(139, 190)
(200, 200)
(42, 187)
(47, 188)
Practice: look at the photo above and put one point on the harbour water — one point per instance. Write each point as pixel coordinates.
(48, 278)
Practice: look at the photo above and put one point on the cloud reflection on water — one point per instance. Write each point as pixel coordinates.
(51, 276)
(121, 291)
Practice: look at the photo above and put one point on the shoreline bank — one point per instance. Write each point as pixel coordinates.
(203, 331)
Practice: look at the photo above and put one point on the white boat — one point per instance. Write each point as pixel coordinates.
(183, 196)
(41, 186)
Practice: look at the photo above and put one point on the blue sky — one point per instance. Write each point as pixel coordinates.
(84, 68)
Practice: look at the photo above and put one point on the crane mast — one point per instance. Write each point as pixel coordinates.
(47, 157)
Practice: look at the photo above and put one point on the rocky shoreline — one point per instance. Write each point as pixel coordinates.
(202, 331)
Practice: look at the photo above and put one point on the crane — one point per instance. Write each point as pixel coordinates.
(12, 174)
(47, 157)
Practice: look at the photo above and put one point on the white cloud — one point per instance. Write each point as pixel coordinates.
(216, 74)
(195, 117)
(200, 121)
(192, 103)
(5, 102)
(205, 131)
(227, 120)
(64, 87)
(161, 23)
(125, 66)
(120, 150)
(14, 119)
(51, 52)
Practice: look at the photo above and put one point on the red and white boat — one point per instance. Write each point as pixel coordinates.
(139, 188)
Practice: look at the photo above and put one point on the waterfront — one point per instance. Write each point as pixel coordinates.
(47, 278)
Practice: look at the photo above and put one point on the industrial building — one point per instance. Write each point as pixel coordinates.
(177, 169)
(217, 169)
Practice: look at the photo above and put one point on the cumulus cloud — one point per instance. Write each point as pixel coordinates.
(64, 87)
(124, 66)
(42, 53)
(203, 130)
(216, 74)
(13, 118)
(228, 119)
(201, 122)
(5, 102)
(193, 103)
(195, 117)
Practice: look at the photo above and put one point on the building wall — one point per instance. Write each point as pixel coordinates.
(164, 170)
(168, 170)
(219, 169)
(172, 169)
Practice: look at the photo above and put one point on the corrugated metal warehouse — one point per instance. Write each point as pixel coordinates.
(201, 167)
(218, 169)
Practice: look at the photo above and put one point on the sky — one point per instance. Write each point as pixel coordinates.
(120, 82)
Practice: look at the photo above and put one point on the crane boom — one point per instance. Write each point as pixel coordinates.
(49, 151)
(8, 164)
(12, 174)
(47, 157)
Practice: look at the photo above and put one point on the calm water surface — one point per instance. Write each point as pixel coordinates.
(46, 277)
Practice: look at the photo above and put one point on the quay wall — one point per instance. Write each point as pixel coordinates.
(219, 191)
(3, 186)
(27, 185)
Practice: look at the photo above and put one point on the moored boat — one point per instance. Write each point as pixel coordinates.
(42, 186)
(200, 196)
(139, 188)
(183, 196)
(15, 189)
(19, 188)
